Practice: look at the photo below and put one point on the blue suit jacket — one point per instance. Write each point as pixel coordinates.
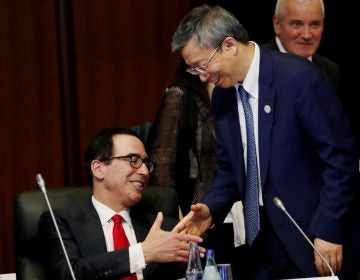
(306, 152)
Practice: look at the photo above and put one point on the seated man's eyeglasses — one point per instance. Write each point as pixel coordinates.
(203, 69)
(136, 161)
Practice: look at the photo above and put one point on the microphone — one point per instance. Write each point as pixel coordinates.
(279, 204)
(41, 183)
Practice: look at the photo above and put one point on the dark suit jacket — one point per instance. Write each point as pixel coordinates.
(307, 156)
(329, 67)
(84, 240)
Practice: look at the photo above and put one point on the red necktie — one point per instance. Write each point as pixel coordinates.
(120, 240)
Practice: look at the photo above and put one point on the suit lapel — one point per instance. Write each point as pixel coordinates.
(140, 230)
(227, 122)
(141, 221)
(90, 231)
(228, 118)
(233, 129)
(266, 112)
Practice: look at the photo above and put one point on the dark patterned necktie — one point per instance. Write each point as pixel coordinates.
(252, 218)
(120, 240)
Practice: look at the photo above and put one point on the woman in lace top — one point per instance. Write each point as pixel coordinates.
(183, 139)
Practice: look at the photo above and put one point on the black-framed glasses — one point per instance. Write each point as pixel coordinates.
(136, 161)
(204, 68)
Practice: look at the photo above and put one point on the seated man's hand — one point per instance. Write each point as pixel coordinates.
(165, 246)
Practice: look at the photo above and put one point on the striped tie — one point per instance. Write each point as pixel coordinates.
(252, 218)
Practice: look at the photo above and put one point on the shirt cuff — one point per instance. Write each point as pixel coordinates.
(137, 260)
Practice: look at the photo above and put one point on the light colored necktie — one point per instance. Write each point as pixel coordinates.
(251, 209)
(120, 240)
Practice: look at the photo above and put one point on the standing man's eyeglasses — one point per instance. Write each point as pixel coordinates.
(203, 69)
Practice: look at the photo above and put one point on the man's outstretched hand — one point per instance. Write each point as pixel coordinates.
(165, 246)
(196, 222)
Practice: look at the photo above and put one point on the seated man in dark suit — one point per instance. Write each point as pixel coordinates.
(118, 169)
(298, 26)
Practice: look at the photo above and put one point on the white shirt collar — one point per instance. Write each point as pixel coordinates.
(282, 49)
(251, 81)
(105, 213)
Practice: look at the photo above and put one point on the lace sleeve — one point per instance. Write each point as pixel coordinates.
(165, 134)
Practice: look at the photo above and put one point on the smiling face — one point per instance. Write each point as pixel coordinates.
(116, 183)
(223, 69)
(300, 27)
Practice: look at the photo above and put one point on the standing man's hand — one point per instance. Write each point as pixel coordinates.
(332, 252)
(196, 222)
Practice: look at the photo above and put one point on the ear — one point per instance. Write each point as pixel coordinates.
(228, 42)
(97, 169)
(276, 25)
(229, 45)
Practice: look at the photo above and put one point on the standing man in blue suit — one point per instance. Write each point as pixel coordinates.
(305, 152)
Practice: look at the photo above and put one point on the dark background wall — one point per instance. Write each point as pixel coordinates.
(71, 68)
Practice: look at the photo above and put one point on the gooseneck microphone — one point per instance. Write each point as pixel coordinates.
(279, 204)
(41, 183)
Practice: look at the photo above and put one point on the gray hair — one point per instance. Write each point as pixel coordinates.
(210, 26)
(280, 7)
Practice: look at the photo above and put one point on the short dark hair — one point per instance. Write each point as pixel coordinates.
(101, 147)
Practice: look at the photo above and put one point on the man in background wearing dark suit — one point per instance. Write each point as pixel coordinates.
(298, 26)
(118, 169)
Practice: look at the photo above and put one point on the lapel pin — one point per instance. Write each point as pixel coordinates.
(267, 109)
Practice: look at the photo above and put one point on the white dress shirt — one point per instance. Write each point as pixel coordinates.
(251, 85)
(136, 255)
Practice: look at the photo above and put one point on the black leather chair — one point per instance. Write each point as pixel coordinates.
(144, 131)
(30, 205)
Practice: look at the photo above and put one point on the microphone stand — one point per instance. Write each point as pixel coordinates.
(41, 183)
(279, 204)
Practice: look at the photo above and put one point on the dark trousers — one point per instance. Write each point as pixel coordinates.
(221, 239)
(267, 256)
(266, 259)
